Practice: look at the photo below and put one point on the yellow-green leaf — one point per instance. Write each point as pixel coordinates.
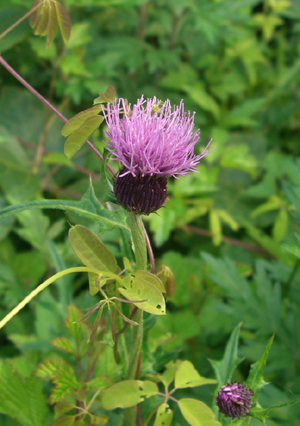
(62, 408)
(280, 226)
(139, 289)
(64, 344)
(127, 393)
(42, 21)
(64, 421)
(75, 122)
(80, 136)
(34, 15)
(109, 96)
(196, 413)
(164, 416)
(215, 227)
(90, 250)
(188, 377)
(150, 278)
(52, 25)
(64, 21)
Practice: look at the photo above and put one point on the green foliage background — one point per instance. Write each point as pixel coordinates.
(237, 64)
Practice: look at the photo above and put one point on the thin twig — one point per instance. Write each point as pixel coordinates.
(49, 105)
(247, 246)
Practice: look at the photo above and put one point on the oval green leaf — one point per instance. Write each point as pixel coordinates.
(42, 21)
(196, 413)
(52, 25)
(64, 21)
(139, 289)
(90, 250)
(81, 135)
(188, 377)
(164, 416)
(127, 394)
(150, 278)
(34, 15)
(75, 122)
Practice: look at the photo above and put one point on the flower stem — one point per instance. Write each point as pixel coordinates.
(139, 242)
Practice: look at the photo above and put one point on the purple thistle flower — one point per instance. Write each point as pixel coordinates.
(234, 400)
(153, 141)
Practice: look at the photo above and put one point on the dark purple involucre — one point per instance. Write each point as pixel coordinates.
(234, 400)
(153, 141)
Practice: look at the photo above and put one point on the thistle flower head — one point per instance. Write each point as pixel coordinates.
(234, 400)
(153, 141)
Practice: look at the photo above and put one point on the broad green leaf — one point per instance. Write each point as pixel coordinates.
(224, 369)
(81, 135)
(255, 380)
(164, 416)
(62, 408)
(127, 394)
(65, 382)
(150, 278)
(75, 122)
(64, 344)
(52, 25)
(139, 289)
(64, 421)
(42, 21)
(22, 398)
(188, 377)
(90, 249)
(280, 226)
(196, 413)
(64, 21)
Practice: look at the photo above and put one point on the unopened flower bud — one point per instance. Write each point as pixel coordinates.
(234, 400)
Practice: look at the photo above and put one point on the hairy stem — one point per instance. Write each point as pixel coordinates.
(139, 242)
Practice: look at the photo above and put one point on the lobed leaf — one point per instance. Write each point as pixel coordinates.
(64, 344)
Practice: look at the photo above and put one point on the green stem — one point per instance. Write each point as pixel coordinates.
(139, 242)
(140, 251)
(49, 281)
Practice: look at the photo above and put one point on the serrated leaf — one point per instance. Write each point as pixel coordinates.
(164, 416)
(127, 393)
(196, 413)
(75, 122)
(42, 20)
(75, 329)
(64, 344)
(62, 408)
(48, 368)
(65, 382)
(22, 399)
(90, 249)
(52, 25)
(224, 369)
(188, 377)
(255, 380)
(139, 289)
(81, 135)
(64, 21)
(262, 414)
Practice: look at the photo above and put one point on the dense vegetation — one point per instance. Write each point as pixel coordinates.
(229, 233)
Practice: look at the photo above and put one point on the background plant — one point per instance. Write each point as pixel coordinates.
(237, 64)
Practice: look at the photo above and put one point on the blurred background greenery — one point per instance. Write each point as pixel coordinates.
(237, 64)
